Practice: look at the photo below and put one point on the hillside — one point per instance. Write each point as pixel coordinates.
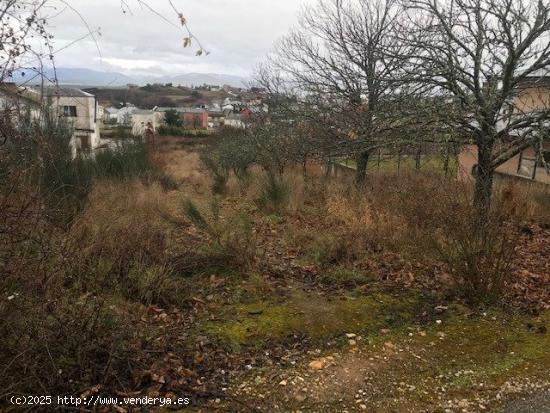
(149, 96)
(88, 77)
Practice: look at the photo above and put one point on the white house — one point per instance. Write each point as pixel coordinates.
(124, 115)
(15, 98)
(143, 120)
(110, 115)
(234, 120)
(80, 109)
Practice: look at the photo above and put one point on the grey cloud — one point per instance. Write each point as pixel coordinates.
(238, 33)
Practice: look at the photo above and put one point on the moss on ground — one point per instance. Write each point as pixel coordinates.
(315, 316)
(465, 356)
(494, 347)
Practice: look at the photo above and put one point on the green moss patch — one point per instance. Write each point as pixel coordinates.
(314, 316)
(494, 347)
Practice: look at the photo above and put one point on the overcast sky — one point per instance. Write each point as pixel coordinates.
(238, 34)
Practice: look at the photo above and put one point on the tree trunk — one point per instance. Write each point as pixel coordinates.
(447, 159)
(418, 157)
(328, 168)
(483, 185)
(361, 171)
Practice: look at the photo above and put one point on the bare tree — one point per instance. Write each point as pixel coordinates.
(475, 55)
(344, 60)
(21, 23)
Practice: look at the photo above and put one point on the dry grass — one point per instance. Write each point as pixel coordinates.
(121, 228)
(77, 293)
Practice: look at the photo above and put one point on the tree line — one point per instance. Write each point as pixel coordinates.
(362, 75)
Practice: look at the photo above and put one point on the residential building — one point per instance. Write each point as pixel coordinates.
(192, 118)
(530, 164)
(217, 118)
(146, 120)
(15, 99)
(234, 120)
(195, 118)
(80, 109)
(110, 115)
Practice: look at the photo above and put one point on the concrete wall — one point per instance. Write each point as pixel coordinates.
(85, 124)
(141, 119)
(467, 159)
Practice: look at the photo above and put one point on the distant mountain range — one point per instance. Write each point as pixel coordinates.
(87, 77)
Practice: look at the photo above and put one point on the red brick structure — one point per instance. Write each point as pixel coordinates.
(195, 118)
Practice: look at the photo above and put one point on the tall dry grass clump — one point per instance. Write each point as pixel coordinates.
(122, 237)
(70, 253)
(423, 218)
(433, 219)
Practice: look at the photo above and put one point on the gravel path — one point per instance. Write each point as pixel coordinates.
(536, 403)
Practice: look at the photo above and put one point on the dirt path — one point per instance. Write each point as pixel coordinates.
(404, 377)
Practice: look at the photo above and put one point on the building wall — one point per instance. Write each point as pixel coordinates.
(530, 98)
(192, 120)
(467, 159)
(86, 125)
(234, 123)
(140, 121)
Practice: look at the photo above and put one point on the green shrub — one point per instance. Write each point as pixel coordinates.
(218, 169)
(128, 160)
(228, 151)
(153, 284)
(231, 241)
(274, 194)
(167, 130)
(342, 276)
(171, 130)
(41, 149)
(330, 249)
(62, 342)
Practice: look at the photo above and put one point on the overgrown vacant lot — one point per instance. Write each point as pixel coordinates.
(286, 294)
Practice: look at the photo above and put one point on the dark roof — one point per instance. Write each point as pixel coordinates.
(194, 110)
(63, 92)
(180, 110)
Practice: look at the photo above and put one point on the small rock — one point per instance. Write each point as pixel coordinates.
(351, 335)
(282, 383)
(388, 345)
(385, 330)
(352, 342)
(317, 364)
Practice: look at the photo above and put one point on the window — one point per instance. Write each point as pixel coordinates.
(546, 156)
(69, 111)
(527, 167)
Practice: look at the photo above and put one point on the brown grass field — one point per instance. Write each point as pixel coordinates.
(334, 299)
